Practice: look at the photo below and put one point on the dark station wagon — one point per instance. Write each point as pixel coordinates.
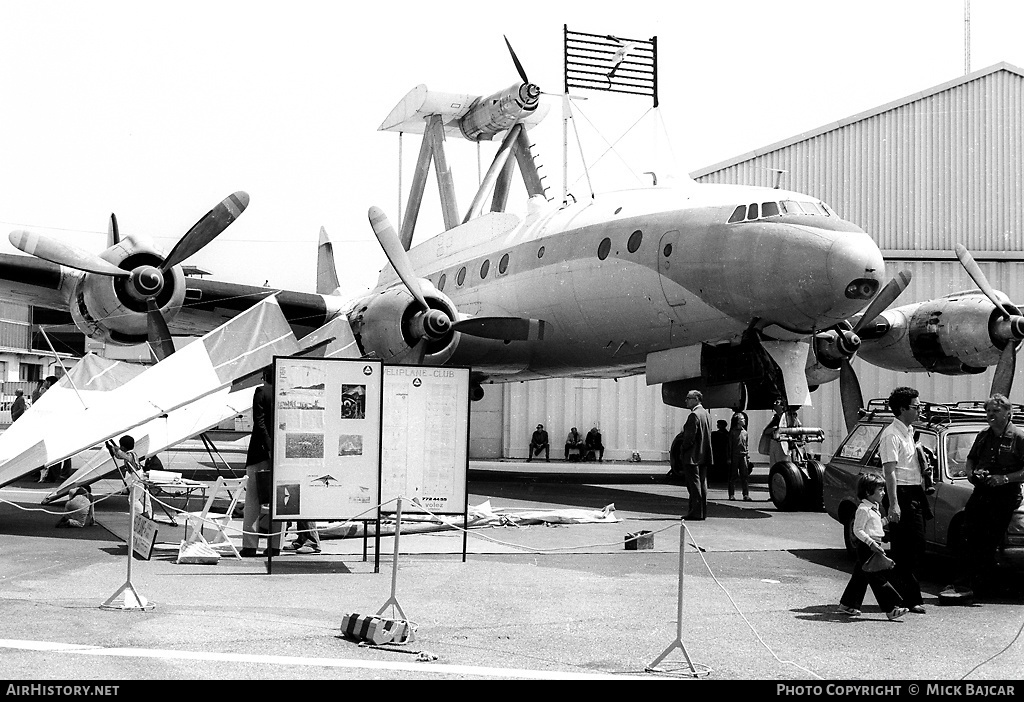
(947, 432)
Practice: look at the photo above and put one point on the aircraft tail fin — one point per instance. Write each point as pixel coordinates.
(326, 272)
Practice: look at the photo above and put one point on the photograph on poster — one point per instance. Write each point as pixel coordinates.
(350, 445)
(303, 445)
(353, 401)
(327, 479)
(288, 498)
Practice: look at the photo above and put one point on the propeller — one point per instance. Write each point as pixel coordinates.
(1010, 329)
(146, 281)
(849, 386)
(431, 323)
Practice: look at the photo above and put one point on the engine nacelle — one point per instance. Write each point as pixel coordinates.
(389, 325)
(114, 309)
(958, 334)
(496, 113)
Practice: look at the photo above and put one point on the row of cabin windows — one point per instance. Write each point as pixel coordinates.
(744, 213)
(603, 249)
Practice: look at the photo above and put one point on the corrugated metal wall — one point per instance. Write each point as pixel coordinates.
(920, 175)
(923, 175)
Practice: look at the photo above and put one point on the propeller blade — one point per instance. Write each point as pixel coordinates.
(502, 328)
(66, 255)
(206, 229)
(157, 333)
(515, 60)
(974, 271)
(885, 297)
(113, 234)
(850, 394)
(1002, 379)
(397, 255)
(419, 352)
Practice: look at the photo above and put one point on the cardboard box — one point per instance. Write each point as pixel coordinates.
(639, 540)
(376, 630)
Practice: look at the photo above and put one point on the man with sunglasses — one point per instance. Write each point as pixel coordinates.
(907, 503)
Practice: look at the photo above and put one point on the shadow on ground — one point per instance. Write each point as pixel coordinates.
(599, 496)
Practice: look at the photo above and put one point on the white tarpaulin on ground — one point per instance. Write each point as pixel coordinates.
(238, 348)
(163, 432)
(482, 515)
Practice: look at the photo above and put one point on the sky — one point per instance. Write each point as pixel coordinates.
(157, 111)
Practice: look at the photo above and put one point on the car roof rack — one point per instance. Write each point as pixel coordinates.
(941, 412)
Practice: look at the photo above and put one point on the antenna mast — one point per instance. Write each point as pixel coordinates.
(967, 36)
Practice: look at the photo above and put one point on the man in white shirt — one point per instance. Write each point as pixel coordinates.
(907, 503)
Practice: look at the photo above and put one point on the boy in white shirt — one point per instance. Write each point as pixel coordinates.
(869, 530)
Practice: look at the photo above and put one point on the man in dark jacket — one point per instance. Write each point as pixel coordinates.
(695, 455)
(18, 408)
(539, 442)
(258, 458)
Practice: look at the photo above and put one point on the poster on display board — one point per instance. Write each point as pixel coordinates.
(425, 439)
(327, 419)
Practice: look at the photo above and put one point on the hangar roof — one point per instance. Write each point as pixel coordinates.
(1002, 66)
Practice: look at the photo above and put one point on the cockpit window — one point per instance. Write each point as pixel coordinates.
(774, 209)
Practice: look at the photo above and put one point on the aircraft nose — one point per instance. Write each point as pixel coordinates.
(855, 271)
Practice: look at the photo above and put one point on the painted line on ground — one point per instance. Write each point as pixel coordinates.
(428, 668)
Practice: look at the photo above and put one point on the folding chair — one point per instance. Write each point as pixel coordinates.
(195, 522)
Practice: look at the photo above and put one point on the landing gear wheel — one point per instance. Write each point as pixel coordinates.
(814, 497)
(786, 486)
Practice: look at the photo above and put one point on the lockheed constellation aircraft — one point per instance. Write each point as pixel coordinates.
(746, 293)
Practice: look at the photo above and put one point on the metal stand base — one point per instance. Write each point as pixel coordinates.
(131, 602)
(678, 643)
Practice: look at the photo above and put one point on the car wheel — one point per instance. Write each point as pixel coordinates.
(814, 496)
(786, 486)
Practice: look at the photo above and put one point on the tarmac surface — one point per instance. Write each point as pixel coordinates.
(759, 591)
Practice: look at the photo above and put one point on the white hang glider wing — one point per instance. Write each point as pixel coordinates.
(238, 348)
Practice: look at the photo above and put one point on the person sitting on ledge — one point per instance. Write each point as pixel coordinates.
(595, 447)
(574, 444)
(539, 442)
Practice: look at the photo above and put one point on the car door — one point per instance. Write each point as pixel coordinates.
(953, 489)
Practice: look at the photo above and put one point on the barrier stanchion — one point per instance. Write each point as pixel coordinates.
(393, 600)
(131, 601)
(678, 643)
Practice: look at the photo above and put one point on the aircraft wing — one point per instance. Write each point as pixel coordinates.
(164, 432)
(234, 350)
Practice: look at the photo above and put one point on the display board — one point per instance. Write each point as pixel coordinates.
(327, 437)
(425, 438)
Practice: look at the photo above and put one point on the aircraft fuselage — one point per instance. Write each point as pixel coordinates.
(633, 272)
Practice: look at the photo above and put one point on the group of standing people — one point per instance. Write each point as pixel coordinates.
(696, 448)
(995, 466)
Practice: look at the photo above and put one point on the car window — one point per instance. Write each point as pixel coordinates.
(859, 441)
(958, 445)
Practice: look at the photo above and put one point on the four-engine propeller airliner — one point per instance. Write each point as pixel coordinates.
(747, 293)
